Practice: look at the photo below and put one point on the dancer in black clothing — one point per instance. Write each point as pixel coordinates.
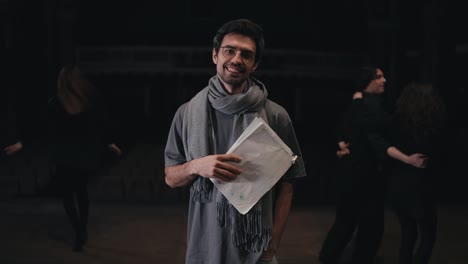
(10, 128)
(11, 122)
(419, 124)
(10, 138)
(79, 138)
(363, 148)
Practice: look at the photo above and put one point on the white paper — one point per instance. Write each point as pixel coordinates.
(265, 159)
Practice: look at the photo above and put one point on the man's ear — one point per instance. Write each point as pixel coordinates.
(254, 67)
(214, 56)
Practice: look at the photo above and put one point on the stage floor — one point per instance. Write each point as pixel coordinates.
(35, 230)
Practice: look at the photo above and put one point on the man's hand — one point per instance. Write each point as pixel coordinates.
(115, 149)
(217, 166)
(13, 148)
(344, 149)
(270, 252)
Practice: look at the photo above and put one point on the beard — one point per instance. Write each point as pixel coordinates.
(233, 79)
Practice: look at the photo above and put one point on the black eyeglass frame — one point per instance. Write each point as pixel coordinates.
(248, 56)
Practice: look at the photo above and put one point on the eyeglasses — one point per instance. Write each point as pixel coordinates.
(248, 57)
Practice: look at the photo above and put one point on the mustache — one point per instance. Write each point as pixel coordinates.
(238, 66)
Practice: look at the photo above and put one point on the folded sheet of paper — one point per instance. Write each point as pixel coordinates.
(265, 159)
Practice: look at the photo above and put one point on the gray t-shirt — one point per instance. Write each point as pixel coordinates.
(207, 242)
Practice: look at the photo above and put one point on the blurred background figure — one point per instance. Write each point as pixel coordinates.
(10, 141)
(80, 137)
(11, 125)
(364, 148)
(418, 126)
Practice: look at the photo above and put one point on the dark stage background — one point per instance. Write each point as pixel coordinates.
(148, 57)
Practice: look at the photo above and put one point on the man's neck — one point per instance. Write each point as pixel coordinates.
(235, 89)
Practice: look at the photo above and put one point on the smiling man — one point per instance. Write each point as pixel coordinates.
(201, 133)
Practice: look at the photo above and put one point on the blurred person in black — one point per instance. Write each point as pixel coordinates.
(419, 125)
(10, 138)
(364, 149)
(11, 121)
(80, 137)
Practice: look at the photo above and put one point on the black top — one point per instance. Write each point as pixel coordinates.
(78, 140)
(364, 126)
(409, 187)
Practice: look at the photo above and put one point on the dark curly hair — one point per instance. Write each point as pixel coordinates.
(245, 27)
(420, 111)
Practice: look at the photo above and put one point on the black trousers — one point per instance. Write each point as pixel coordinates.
(360, 216)
(73, 189)
(418, 235)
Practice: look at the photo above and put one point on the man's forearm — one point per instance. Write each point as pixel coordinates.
(282, 209)
(179, 175)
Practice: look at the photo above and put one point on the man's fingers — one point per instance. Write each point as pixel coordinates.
(224, 175)
(229, 157)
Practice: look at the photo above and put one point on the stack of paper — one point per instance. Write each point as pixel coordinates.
(265, 159)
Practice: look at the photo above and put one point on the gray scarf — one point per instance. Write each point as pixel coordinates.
(251, 231)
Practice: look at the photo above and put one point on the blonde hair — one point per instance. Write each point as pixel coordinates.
(74, 91)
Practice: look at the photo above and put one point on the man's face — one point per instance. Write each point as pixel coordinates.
(377, 86)
(235, 61)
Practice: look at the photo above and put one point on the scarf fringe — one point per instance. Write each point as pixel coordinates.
(248, 230)
(202, 190)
